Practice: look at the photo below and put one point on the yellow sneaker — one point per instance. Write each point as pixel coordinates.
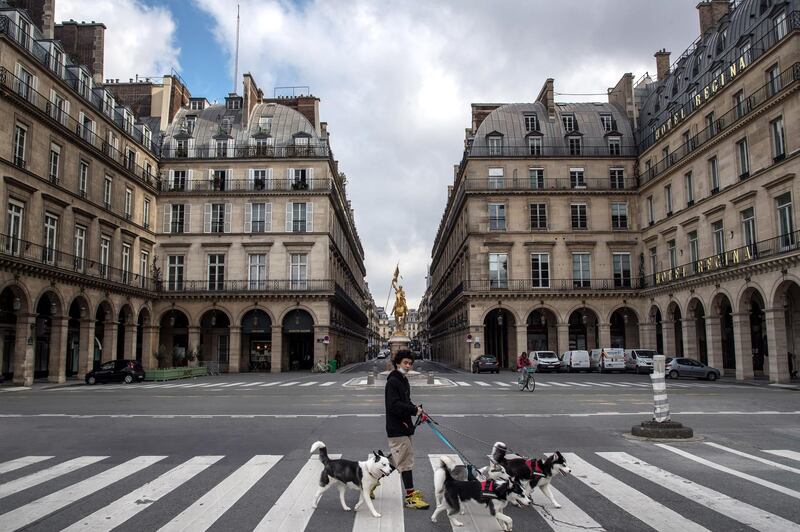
(416, 501)
(372, 492)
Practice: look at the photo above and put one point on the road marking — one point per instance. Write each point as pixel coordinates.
(756, 458)
(253, 384)
(232, 384)
(271, 383)
(615, 384)
(330, 383)
(290, 383)
(632, 501)
(543, 384)
(309, 383)
(568, 518)
(716, 501)
(504, 384)
(124, 508)
(481, 383)
(598, 384)
(460, 383)
(577, 383)
(207, 509)
(293, 510)
(791, 455)
(744, 476)
(19, 463)
(558, 384)
(33, 511)
(34, 479)
(16, 389)
(389, 503)
(641, 385)
(201, 385)
(480, 520)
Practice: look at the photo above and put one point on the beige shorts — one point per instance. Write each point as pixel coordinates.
(402, 453)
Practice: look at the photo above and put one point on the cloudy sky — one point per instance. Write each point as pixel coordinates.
(395, 78)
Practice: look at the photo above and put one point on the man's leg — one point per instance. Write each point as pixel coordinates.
(404, 461)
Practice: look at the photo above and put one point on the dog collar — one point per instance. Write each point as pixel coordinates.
(373, 476)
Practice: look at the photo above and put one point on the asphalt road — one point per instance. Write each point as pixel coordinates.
(231, 452)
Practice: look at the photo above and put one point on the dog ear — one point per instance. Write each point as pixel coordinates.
(377, 458)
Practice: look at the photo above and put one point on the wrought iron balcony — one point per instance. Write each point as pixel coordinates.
(590, 147)
(238, 185)
(549, 285)
(247, 151)
(268, 286)
(548, 183)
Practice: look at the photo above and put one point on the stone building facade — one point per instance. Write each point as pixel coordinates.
(665, 218)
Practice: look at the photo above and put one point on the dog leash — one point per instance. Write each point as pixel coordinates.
(427, 419)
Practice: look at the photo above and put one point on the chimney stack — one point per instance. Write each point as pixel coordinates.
(711, 11)
(662, 64)
(41, 11)
(84, 42)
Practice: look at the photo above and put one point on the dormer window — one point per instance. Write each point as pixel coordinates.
(197, 105)
(574, 145)
(721, 40)
(57, 62)
(109, 104)
(127, 121)
(147, 137)
(608, 122)
(233, 104)
(190, 123)
(531, 122)
(23, 33)
(495, 143)
(264, 124)
(85, 84)
(569, 122)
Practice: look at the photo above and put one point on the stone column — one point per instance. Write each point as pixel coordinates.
(58, 349)
(668, 334)
(86, 347)
(235, 343)
(777, 345)
(690, 340)
(322, 352)
(563, 337)
(194, 342)
(277, 363)
(647, 336)
(129, 330)
(714, 341)
(605, 335)
(24, 355)
(110, 332)
(744, 347)
(522, 341)
(149, 347)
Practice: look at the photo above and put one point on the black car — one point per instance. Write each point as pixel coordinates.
(486, 363)
(126, 371)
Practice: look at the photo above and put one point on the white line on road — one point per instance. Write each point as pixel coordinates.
(34, 479)
(615, 384)
(598, 384)
(481, 383)
(743, 476)
(124, 508)
(577, 383)
(568, 518)
(19, 463)
(293, 510)
(309, 383)
(504, 384)
(232, 384)
(290, 383)
(462, 383)
(543, 384)
(792, 455)
(719, 502)
(756, 458)
(207, 509)
(558, 384)
(329, 383)
(33, 511)
(632, 501)
(389, 503)
(271, 384)
(257, 383)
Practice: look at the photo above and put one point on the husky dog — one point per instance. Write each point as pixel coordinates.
(530, 472)
(362, 476)
(495, 493)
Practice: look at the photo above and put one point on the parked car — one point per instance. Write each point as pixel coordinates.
(687, 367)
(126, 371)
(575, 360)
(639, 360)
(545, 360)
(485, 363)
(614, 359)
(383, 353)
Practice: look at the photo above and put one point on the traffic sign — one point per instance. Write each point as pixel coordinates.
(326, 339)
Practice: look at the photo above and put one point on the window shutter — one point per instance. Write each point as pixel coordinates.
(66, 112)
(167, 217)
(53, 110)
(81, 118)
(190, 148)
(210, 179)
(231, 147)
(228, 210)
(229, 179)
(310, 177)
(207, 218)
(290, 176)
(309, 217)
(268, 217)
(187, 218)
(248, 217)
(289, 217)
(250, 180)
(269, 179)
(171, 178)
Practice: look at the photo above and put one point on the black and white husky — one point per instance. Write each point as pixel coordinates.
(496, 493)
(532, 473)
(362, 476)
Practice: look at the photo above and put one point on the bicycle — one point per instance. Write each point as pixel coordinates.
(526, 380)
(321, 367)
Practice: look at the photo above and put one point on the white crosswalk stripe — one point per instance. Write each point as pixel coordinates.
(19, 463)
(542, 385)
(210, 507)
(116, 513)
(556, 384)
(476, 520)
(292, 383)
(33, 511)
(792, 455)
(578, 384)
(271, 384)
(632, 501)
(719, 502)
(755, 458)
(481, 383)
(329, 383)
(34, 479)
(568, 518)
(503, 384)
(257, 383)
(309, 383)
(389, 503)
(462, 383)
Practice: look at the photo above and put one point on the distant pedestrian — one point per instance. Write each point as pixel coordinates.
(792, 365)
(400, 427)
(602, 360)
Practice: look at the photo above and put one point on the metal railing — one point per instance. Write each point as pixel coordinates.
(247, 152)
(255, 185)
(199, 286)
(548, 183)
(551, 285)
(589, 148)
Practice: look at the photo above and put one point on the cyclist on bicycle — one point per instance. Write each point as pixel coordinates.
(525, 363)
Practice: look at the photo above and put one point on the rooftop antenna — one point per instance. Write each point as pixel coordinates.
(236, 57)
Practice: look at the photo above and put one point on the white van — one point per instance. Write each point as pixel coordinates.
(575, 361)
(545, 360)
(639, 360)
(614, 359)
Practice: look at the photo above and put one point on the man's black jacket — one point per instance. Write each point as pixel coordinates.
(399, 407)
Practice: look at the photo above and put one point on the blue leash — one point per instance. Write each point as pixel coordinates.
(471, 469)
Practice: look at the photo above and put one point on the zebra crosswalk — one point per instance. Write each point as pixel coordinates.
(607, 490)
(196, 386)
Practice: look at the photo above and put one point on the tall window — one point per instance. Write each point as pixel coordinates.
(216, 271)
(59, 107)
(264, 124)
(739, 103)
(495, 145)
(25, 83)
(574, 145)
(128, 202)
(50, 237)
(144, 261)
(778, 139)
(622, 270)
(264, 146)
(23, 33)
(497, 217)
(653, 260)
(146, 213)
(668, 199)
(749, 228)
(130, 159)
(105, 251)
(581, 270)
(261, 179)
(617, 178)
(300, 217)
(257, 271)
(20, 137)
(496, 178)
(535, 146)
(83, 178)
(178, 180)
(181, 148)
(743, 159)
(718, 235)
(537, 177)
(780, 26)
(221, 148)
(614, 146)
(576, 179)
(217, 217)
(607, 122)
(107, 192)
(498, 270)
(688, 185)
(694, 247)
(259, 221)
(531, 123)
(650, 212)
(538, 216)
(55, 157)
(298, 271)
(673, 254)
(126, 262)
(80, 247)
(540, 270)
(218, 179)
(713, 174)
(786, 220)
(569, 122)
(579, 216)
(619, 216)
(175, 266)
(711, 124)
(177, 218)
(300, 178)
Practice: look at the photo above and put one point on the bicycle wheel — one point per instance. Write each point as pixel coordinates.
(522, 382)
(531, 383)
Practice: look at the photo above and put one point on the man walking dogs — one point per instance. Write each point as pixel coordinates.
(400, 427)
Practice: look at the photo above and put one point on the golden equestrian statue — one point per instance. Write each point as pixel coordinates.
(400, 309)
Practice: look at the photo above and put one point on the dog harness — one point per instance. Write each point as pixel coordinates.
(487, 489)
(535, 468)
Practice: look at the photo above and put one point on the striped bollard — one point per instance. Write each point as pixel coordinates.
(661, 426)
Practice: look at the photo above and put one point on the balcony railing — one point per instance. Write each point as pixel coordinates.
(589, 148)
(771, 89)
(170, 286)
(255, 185)
(12, 85)
(548, 183)
(551, 285)
(247, 152)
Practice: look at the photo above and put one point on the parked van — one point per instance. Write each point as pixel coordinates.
(545, 360)
(639, 360)
(614, 359)
(575, 361)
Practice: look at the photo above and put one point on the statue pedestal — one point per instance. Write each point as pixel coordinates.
(398, 343)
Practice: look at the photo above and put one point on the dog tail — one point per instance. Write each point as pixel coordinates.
(499, 451)
(323, 451)
(447, 463)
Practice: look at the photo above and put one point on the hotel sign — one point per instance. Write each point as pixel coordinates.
(702, 96)
(710, 264)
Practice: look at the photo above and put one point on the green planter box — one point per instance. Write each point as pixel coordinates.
(174, 373)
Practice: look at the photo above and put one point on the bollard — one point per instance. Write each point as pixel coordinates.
(430, 377)
(661, 426)
(371, 378)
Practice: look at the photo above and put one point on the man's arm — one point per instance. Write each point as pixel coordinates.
(395, 404)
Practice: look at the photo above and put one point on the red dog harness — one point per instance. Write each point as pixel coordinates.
(534, 466)
(487, 489)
